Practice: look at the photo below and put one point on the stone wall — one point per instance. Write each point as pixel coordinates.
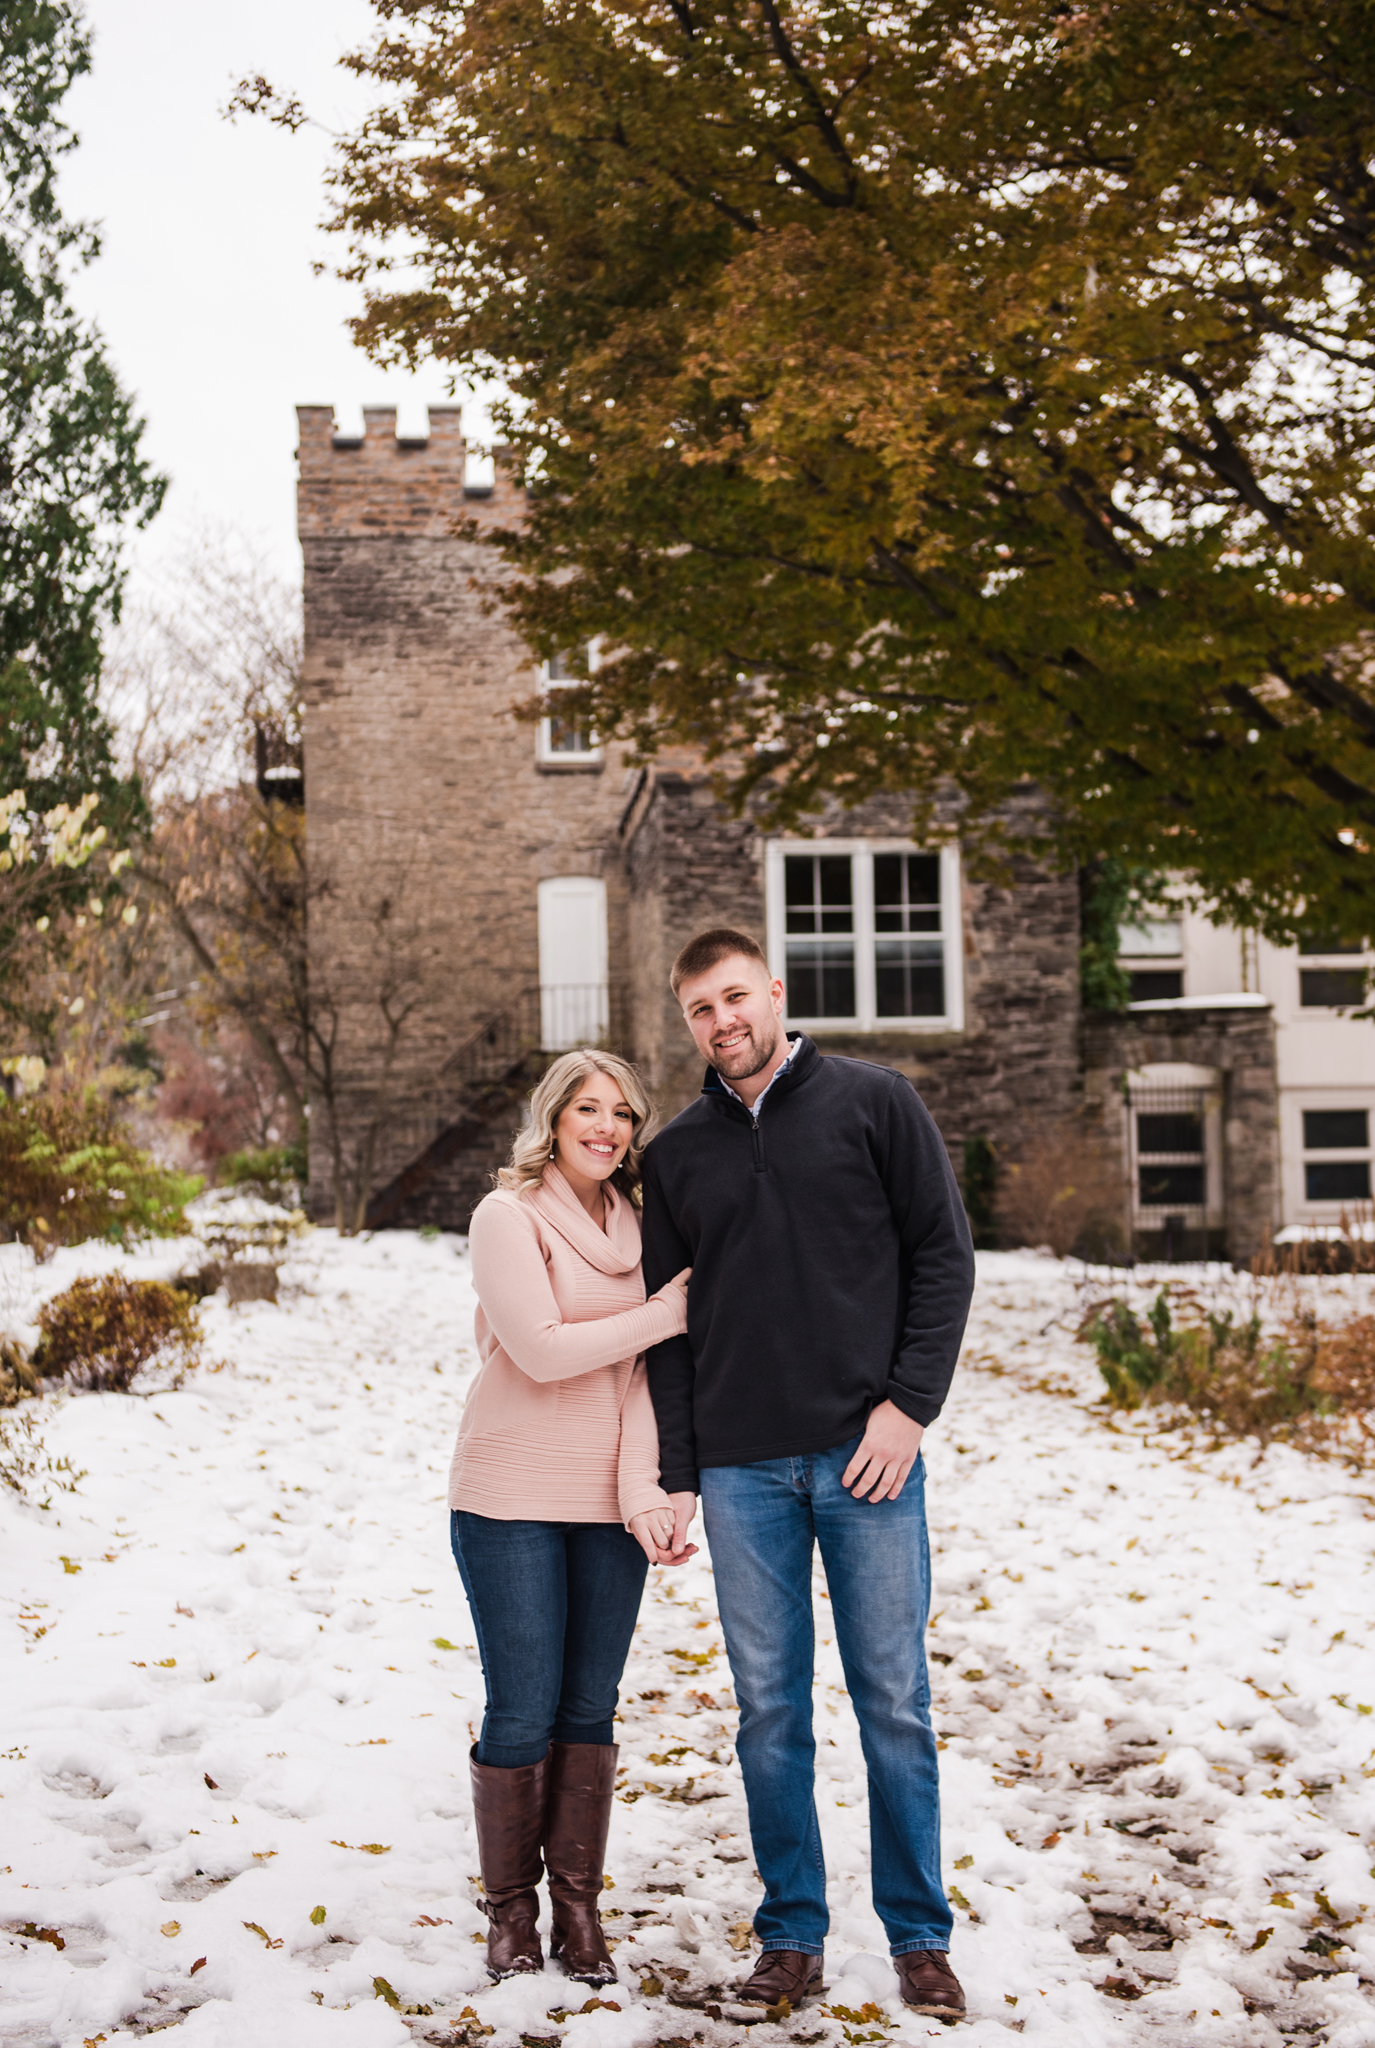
(1238, 1041)
(689, 864)
(1013, 1068)
(429, 821)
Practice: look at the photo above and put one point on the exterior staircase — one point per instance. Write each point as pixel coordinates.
(454, 1146)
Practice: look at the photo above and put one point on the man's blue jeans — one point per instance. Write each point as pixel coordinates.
(762, 1522)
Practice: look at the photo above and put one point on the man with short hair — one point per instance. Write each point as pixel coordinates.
(831, 1276)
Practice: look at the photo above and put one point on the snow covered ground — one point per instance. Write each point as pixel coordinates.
(239, 1682)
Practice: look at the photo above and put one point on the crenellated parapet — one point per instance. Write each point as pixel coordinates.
(381, 483)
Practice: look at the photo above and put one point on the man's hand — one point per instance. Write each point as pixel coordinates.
(887, 1453)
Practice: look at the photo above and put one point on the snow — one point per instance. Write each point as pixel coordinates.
(241, 1683)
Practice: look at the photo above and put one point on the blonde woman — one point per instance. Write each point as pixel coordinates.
(556, 1507)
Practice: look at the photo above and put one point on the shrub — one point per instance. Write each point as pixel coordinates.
(979, 1187)
(28, 1468)
(1065, 1191)
(69, 1173)
(17, 1376)
(99, 1334)
(1305, 1380)
(277, 1172)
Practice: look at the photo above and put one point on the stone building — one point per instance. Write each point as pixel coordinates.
(486, 891)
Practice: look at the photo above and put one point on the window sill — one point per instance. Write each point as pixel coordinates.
(587, 764)
(899, 1028)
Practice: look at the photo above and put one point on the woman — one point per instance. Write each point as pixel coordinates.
(555, 1498)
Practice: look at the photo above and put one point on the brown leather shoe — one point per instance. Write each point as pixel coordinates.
(582, 1783)
(929, 1984)
(508, 1807)
(782, 1973)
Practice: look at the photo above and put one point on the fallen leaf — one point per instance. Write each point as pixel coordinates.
(68, 1566)
(425, 1920)
(187, 1611)
(261, 1933)
(651, 1986)
(443, 1643)
(382, 1989)
(1262, 1936)
(1050, 1840)
(199, 1964)
(171, 1927)
(48, 1934)
(964, 1863)
(166, 1663)
(317, 1918)
(211, 1782)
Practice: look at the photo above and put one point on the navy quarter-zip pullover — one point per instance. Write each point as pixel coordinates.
(831, 1264)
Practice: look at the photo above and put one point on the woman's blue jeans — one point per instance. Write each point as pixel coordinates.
(554, 1607)
(762, 1522)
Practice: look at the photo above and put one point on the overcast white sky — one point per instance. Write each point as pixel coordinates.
(204, 288)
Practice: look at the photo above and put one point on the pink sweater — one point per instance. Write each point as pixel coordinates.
(559, 1426)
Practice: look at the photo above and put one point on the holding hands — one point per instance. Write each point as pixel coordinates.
(662, 1532)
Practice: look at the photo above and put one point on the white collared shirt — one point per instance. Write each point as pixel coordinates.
(758, 1103)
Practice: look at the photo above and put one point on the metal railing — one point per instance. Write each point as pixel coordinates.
(506, 1051)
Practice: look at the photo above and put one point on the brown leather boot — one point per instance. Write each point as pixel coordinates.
(508, 1807)
(782, 1973)
(582, 1782)
(929, 1984)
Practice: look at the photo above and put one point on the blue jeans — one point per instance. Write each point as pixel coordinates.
(762, 1522)
(554, 1607)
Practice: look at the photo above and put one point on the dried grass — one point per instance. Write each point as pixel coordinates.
(1302, 1379)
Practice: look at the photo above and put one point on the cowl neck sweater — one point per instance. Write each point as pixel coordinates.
(614, 1250)
(558, 1425)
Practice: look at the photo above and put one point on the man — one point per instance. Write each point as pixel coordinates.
(831, 1277)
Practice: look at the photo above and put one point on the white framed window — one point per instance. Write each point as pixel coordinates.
(1336, 1153)
(1329, 977)
(1151, 954)
(866, 934)
(564, 742)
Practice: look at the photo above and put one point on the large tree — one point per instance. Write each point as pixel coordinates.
(71, 475)
(927, 391)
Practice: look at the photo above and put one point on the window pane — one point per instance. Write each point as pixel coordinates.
(1331, 988)
(1324, 944)
(909, 978)
(1173, 1131)
(1161, 935)
(569, 736)
(907, 892)
(1336, 1130)
(817, 894)
(821, 981)
(1337, 1180)
(558, 669)
(1172, 1186)
(1156, 987)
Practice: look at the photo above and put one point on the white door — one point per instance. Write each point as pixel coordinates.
(574, 1009)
